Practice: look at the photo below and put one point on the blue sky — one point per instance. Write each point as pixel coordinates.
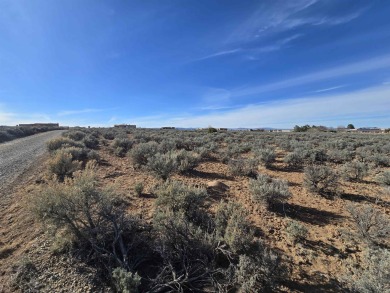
(195, 63)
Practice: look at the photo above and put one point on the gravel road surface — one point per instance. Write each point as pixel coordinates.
(17, 155)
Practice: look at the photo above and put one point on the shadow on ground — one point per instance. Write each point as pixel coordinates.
(305, 214)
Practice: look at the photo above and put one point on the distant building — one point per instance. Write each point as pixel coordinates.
(168, 127)
(222, 129)
(127, 126)
(52, 125)
(369, 130)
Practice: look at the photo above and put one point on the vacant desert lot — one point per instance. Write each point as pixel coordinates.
(310, 230)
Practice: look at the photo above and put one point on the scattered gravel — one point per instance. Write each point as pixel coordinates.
(17, 155)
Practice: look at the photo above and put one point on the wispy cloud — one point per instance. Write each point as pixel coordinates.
(218, 54)
(330, 89)
(332, 110)
(280, 16)
(76, 112)
(345, 70)
(274, 46)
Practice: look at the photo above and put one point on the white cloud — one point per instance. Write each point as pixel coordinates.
(370, 106)
(345, 70)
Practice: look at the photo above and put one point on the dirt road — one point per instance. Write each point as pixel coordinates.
(17, 155)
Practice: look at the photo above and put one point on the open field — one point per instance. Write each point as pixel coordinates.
(205, 212)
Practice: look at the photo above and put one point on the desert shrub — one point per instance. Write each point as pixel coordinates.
(5, 136)
(371, 225)
(294, 160)
(373, 276)
(93, 156)
(74, 135)
(91, 141)
(141, 152)
(176, 197)
(167, 145)
(125, 282)
(163, 165)
(266, 156)
(212, 255)
(121, 146)
(269, 191)
(296, 231)
(110, 135)
(233, 228)
(243, 167)
(205, 152)
(259, 272)
(62, 164)
(62, 142)
(139, 188)
(379, 160)
(26, 276)
(211, 130)
(321, 180)
(354, 171)
(188, 252)
(187, 160)
(339, 156)
(77, 153)
(183, 234)
(384, 178)
(317, 156)
(94, 217)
